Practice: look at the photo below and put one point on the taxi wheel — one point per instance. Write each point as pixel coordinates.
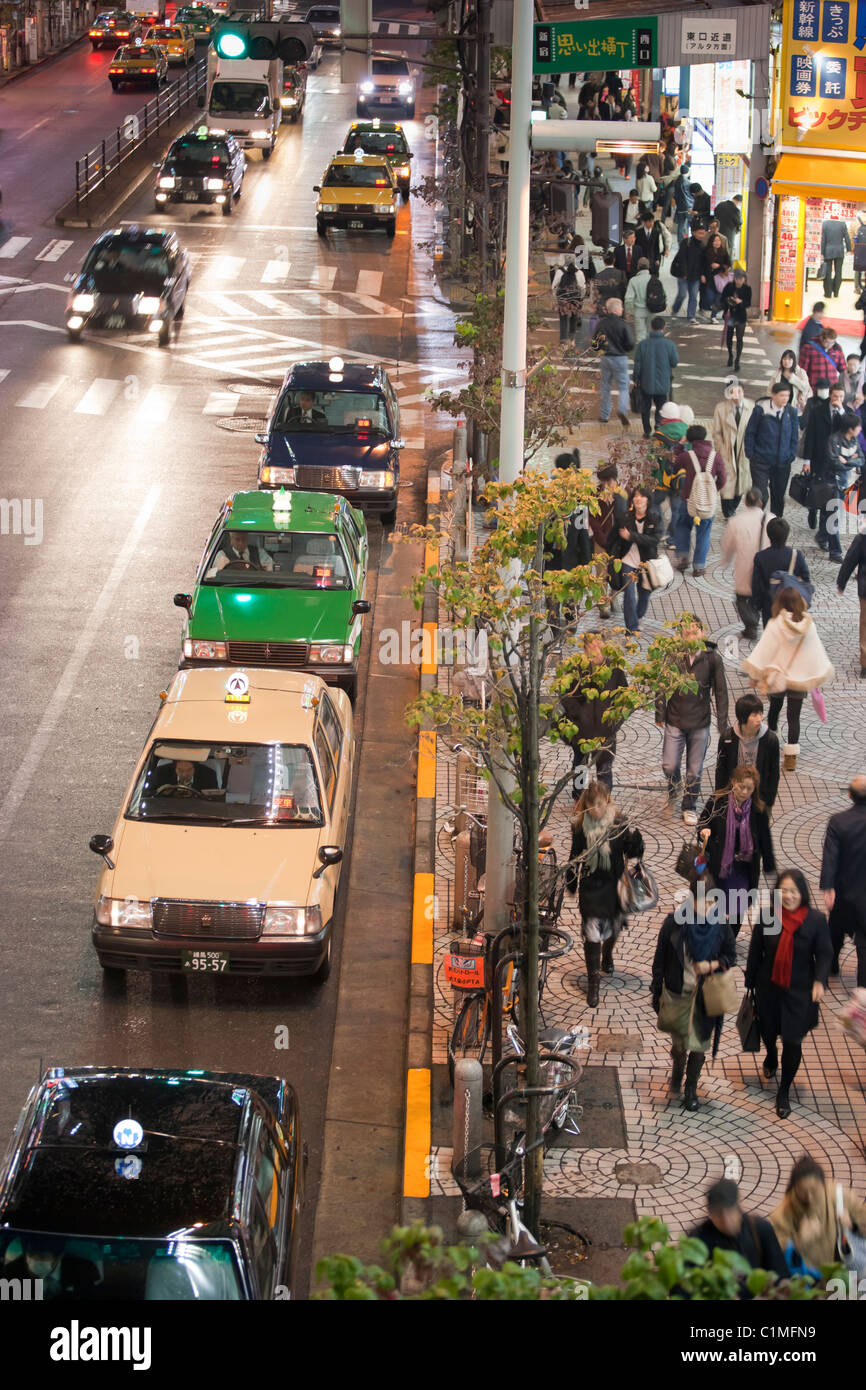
(74, 335)
(112, 975)
(321, 229)
(266, 153)
(324, 969)
(389, 518)
(227, 207)
(164, 337)
(404, 193)
(350, 685)
(115, 86)
(391, 227)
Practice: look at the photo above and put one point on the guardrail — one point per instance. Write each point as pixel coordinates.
(136, 129)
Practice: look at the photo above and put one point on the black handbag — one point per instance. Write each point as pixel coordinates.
(686, 858)
(748, 1026)
(820, 493)
(799, 488)
(635, 398)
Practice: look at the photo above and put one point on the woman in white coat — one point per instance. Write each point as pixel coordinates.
(792, 372)
(788, 661)
(730, 418)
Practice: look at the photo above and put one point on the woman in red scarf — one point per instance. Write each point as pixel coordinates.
(788, 968)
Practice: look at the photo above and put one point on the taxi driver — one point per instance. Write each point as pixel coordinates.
(238, 552)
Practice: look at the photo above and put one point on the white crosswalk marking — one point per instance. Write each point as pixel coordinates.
(11, 247)
(272, 302)
(98, 396)
(230, 308)
(275, 271)
(323, 277)
(54, 250)
(369, 282)
(228, 267)
(38, 396)
(221, 403)
(157, 405)
(4, 372)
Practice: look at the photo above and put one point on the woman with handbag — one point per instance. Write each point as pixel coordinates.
(601, 841)
(734, 830)
(808, 1222)
(788, 661)
(788, 968)
(694, 943)
(637, 541)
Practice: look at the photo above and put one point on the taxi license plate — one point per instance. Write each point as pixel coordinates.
(115, 321)
(356, 222)
(205, 962)
(190, 197)
(386, 101)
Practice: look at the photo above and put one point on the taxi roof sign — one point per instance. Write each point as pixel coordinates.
(237, 689)
(283, 502)
(127, 1134)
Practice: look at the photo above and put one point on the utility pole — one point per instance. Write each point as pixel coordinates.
(482, 141)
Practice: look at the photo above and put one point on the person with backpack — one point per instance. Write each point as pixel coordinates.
(730, 421)
(653, 372)
(787, 663)
(772, 563)
(743, 537)
(653, 241)
(771, 444)
(735, 299)
(704, 475)
(843, 454)
(568, 288)
(672, 421)
(635, 300)
(637, 540)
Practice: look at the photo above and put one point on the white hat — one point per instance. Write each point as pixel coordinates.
(669, 411)
(687, 415)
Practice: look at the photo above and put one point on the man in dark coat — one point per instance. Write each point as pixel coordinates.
(727, 1227)
(749, 740)
(687, 267)
(610, 283)
(729, 215)
(649, 241)
(856, 560)
(835, 241)
(843, 876)
(770, 444)
(686, 715)
(775, 556)
(625, 256)
(653, 371)
(586, 710)
(813, 326)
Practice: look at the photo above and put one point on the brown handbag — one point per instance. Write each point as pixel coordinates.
(720, 994)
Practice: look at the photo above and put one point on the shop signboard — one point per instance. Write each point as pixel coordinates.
(594, 45)
(787, 281)
(731, 112)
(824, 75)
(709, 38)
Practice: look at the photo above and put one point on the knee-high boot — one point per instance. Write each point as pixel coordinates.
(607, 955)
(592, 956)
(678, 1059)
(693, 1071)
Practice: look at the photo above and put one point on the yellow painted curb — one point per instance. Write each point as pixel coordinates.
(426, 763)
(416, 1158)
(428, 668)
(422, 920)
(431, 556)
(434, 489)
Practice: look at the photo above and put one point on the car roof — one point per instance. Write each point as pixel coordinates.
(138, 235)
(377, 127)
(311, 511)
(371, 161)
(280, 707)
(357, 376)
(65, 1179)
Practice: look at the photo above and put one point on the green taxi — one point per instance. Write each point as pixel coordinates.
(281, 584)
(199, 18)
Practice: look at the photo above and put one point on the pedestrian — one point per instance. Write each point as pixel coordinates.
(687, 268)
(777, 557)
(771, 444)
(612, 504)
(730, 218)
(704, 475)
(735, 835)
(685, 716)
(654, 361)
(843, 455)
(713, 231)
(852, 380)
(716, 275)
(788, 967)
(787, 663)
(614, 340)
(568, 288)
(670, 430)
(601, 842)
(652, 240)
(843, 877)
(683, 201)
(822, 357)
(859, 258)
(637, 540)
(742, 539)
(822, 417)
(625, 255)
(702, 204)
(792, 372)
(587, 707)
(693, 942)
(635, 300)
(750, 742)
(806, 1221)
(856, 560)
(610, 283)
(730, 421)
(631, 211)
(646, 186)
(835, 241)
(728, 1227)
(813, 325)
(735, 299)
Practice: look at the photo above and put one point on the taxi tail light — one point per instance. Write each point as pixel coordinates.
(363, 424)
(381, 183)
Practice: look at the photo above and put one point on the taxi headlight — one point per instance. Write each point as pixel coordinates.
(390, 207)
(204, 651)
(403, 171)
(368, 87)
(83, 303)
(217, 130)
(128, 913)
(327, 207)
(260, 134)
(281, 919)
(148, 304)
(377, 478)
(166, 181)
(214, 185)
(330, 653)
(278, 475)
(288, 101)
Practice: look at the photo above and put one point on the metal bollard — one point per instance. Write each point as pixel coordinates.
(460, 442)
(466, 1131)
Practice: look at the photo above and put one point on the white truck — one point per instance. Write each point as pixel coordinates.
(244, 100)
(147, 12)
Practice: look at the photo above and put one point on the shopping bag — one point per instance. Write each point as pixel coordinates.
(659, 572)
(747, 1024)
(720, 993)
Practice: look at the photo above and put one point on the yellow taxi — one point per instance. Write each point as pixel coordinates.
(357, 190)
(225, 856)
(177, 42)
(138, 63)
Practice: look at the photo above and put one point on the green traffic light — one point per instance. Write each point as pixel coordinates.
(231, 46)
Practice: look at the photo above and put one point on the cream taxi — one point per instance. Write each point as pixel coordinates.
(226, 854)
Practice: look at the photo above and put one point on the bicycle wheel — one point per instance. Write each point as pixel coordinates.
(471, 1031)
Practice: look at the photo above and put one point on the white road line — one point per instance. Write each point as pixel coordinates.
(415, 443)
(227, 267)
(30, 129)
(99, 611)
(4, 372)
(369, 282)
(157, 405)
(98, 396)
(411, 400)
(11, 247)
(38, 396)
(378, 306)
(236, 356)
(275, 271)
(221, 403)
(323, 277)
(230, 307)
(270, 301)
(53, 251)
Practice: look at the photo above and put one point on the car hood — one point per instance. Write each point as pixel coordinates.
(355, 197)
(328, 450)
(103, 288)
(208, 863)
(271, 615)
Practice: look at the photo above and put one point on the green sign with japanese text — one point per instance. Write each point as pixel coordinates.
(595, 44)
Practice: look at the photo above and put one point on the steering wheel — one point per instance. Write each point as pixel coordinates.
(240, 565)
(172, 789)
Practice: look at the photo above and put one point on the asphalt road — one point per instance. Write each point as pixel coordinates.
(127, 451)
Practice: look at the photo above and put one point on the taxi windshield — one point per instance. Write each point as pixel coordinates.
(239, 99)
(377, 142)
(116, 262)
(357, 176)
(132, 55)
(164, 34)
(332, 412)
(219, 784)
(278, 560)
(390, 67)
(195, 156)
(73, 1270)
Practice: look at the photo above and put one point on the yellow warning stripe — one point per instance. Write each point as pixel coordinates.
(428, 667)
(422, 920)
(416, 1158)
(426, 763)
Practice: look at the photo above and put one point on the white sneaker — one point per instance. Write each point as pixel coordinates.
(690, 817)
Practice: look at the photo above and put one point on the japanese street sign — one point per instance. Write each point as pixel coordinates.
(714, 39)
(593, 45)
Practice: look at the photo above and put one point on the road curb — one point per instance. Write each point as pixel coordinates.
(78, 217)
(42, 62)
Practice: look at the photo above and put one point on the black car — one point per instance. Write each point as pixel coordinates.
(112, 25)
(147, 1185)
(383, 137)
(335, 428)
(201, 167)
(294, 91)
(133, 278)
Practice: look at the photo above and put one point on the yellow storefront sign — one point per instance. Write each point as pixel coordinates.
(824, 74)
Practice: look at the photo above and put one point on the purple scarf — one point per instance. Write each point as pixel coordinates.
(738, 818)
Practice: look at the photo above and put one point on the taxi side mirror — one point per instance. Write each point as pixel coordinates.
(103, 844)
(182, 601)
(329, 855)
(361, 605)
(261, 438)
(398, 444)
